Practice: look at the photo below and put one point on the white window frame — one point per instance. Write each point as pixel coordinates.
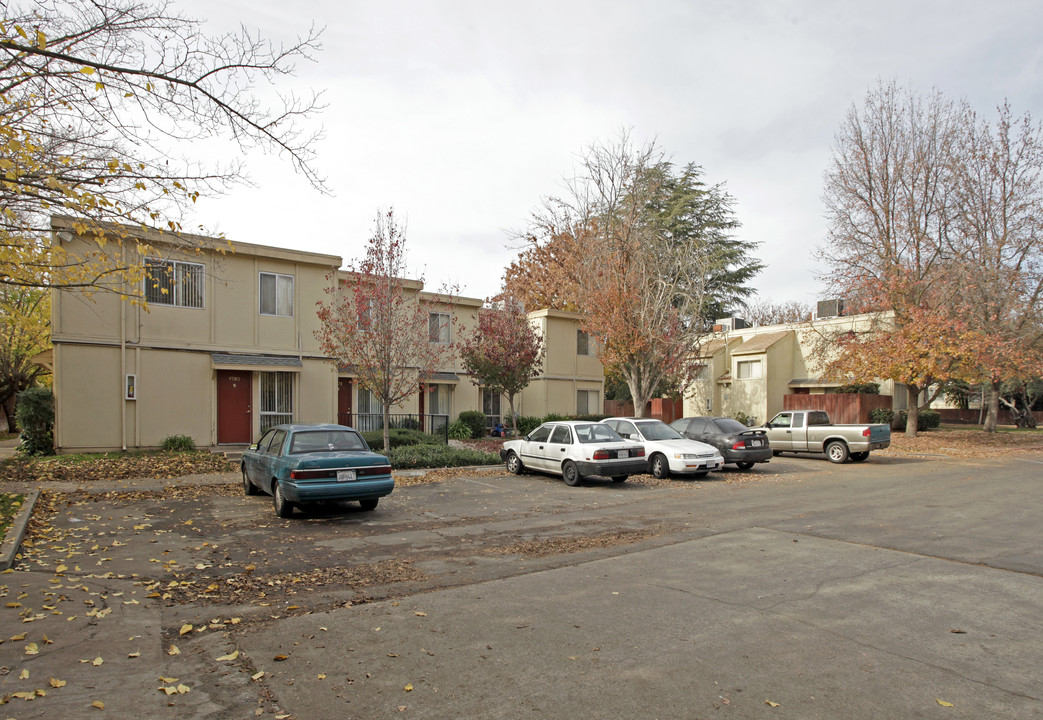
(276, 400)
(587, 395)
(186, 284)
(748, 370)
(283, 297)
(438, 327)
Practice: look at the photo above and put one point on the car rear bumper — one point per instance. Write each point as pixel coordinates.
(610, 468)
(755, 455)
(303, 491)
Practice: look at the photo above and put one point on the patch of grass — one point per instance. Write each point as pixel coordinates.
(10, 504)
(112, 466)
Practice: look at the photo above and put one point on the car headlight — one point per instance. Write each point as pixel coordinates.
(685, 456)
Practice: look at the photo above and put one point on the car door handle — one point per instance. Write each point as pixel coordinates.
(563, 449)
(541, 447)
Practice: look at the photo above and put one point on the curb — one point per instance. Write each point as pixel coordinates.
(13, 539)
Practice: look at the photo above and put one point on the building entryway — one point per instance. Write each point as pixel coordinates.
(344, 401)
(234, 396)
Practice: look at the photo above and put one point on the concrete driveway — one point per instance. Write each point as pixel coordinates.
(897, 588)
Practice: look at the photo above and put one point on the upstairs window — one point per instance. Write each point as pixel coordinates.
(587, 402)
(748, 369)
(438, 328)
(582, 343)
(277, 294)
(171, 282)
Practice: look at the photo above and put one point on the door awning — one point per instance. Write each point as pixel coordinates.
(228, 361)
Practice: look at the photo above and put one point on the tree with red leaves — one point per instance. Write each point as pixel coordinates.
(379, 324)
(503, 352)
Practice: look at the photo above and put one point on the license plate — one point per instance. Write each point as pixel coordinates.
(755, 443)
(346, 476)
(622, 453)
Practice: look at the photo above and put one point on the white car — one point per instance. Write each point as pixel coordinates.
(668, 451)
(574, 449)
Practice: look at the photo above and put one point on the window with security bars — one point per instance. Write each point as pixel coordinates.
(172, 282)
(276, 294)
(276, 399)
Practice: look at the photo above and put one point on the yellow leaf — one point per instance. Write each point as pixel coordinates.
(229, 656)
(24, 675)
(169, 689)
(943, 703)
(770, 703)
(17, 638)
(185, 629)
(408, 688)
(87, 70)
(167, 680)
(420, 614)
(134, 655)
(98, 704)
(99, 86)
(257, 675)
(41, 40)
(56, 683)
(32, 649)
(182, 689)
(97, 661)
(279, 658)
(61, 568)
(173, 650)
(14, 605)
(322, 676)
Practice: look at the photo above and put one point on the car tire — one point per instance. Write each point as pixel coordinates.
(744, 465)
(248, 487)
(659, 467)
(369, 503)
(514, 464)
(837, 452)
(570, 474)
(619, 478)
(776, 453)
(859, 456)
(283, 507)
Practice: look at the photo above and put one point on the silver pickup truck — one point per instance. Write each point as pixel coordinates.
(810, 431)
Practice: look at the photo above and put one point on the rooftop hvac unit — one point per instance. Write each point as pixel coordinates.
(830, 308)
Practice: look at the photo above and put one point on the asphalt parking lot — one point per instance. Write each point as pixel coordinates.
(899, 587)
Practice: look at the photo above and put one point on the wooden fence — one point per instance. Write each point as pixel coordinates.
(665, 409)
(843, 408)
(952, 416)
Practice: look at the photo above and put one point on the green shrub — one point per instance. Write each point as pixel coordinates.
(926, 420)
(528, 423)
(178, 443)
(474, 420)
(399, 437)
(553, 417)
(408, 423)
(883, 416)
(590, 418)
(459, 430)
(35, 417)
(438, 456)
(866, 388)
(743, 418)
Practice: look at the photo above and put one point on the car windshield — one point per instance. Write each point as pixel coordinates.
(658, 430)
(596, 432)
(728, 425)
(326, 441)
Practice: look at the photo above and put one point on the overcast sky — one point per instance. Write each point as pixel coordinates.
(463, 114)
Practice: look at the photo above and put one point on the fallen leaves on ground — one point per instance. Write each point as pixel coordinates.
(965, 443)
(113, 467)
(563, 545)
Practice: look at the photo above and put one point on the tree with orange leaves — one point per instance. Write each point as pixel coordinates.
(643, 252)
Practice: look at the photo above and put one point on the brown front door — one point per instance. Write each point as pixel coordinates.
(234, 391)
(344, 401)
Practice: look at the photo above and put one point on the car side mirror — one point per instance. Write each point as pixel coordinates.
(253, 446)
(767, 424)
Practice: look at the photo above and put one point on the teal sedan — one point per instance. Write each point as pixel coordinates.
(299, 464)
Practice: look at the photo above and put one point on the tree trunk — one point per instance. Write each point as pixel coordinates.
(510, 409)
(992, 413)
(387, 425)
(912, 413)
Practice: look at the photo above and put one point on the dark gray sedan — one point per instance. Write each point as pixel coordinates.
(738, 444)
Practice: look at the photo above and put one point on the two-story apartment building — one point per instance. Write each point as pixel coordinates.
(750, 369)
(226, 346)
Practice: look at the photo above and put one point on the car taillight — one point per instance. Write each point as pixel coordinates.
(739, 445)
(639, 452)
(602, 455)
(865, 433)
(306, 474)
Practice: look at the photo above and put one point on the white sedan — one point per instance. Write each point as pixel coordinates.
(574, 449)
(668, 451)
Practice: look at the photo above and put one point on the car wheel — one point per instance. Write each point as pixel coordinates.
(248, 487)
(570, 473)
(283, 507)
(859, 456)
(776, 453)
(619, 478)
(369, 503)
(744, 465)
(836, 451)
(660, 468)
(514, 464)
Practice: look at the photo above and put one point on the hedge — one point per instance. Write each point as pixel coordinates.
(438, 456)
(399, 437)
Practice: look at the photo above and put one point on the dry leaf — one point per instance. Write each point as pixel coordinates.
(32, 649)
(420, 614)
(167, 680)
(56, 683)
(173, 650)
(97, 661)
(257, 675)
(321, 676)
(168, 689)
(229, 656)
(98, 704)
(943, 703)
(186, 628)
(408, 688)
(24, 675)
(772, 704)
(279, 658)
(182, 689)
(134, 655)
